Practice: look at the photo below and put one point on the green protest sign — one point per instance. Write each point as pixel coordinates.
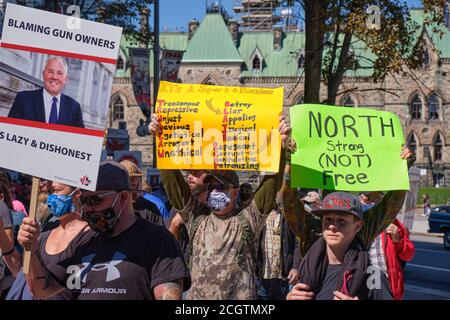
(349, 149)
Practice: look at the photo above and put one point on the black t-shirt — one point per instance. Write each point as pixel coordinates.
(129, 265)
(148, 211)
(329, 285)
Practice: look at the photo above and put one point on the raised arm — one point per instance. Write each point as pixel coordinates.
(177, 189)
(265, 195)
(289, 202)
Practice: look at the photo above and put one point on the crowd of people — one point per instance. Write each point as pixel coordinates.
(209, 237)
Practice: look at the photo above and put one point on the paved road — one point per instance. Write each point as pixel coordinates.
(427, 276)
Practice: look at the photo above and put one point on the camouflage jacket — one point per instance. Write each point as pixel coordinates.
(222, 264)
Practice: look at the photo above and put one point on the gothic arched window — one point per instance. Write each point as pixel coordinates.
(348, 101)
(300, 99)
(433, 107)
(437, 146)
(256, 63)
(412, 144)
(301, 60)
(118, 109)
(416, 107)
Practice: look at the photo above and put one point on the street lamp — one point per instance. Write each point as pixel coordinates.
(142, 130)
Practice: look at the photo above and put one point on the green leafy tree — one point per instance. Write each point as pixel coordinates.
(332, 28)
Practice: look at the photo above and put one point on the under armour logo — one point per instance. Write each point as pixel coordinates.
(80, 273)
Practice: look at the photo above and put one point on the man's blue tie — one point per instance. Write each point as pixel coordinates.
(54, 111)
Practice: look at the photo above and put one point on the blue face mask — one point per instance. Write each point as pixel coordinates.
(60, 204)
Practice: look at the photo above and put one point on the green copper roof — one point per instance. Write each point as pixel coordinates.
(276, 63)
(442, 44)
(212, 42)
(173, 41)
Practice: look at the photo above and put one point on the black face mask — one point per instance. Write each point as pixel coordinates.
(102, 221)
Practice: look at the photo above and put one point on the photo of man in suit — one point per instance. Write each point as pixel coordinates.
(48, 104)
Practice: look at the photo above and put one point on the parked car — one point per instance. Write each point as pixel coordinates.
(439, 222)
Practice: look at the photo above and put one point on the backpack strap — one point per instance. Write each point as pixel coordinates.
(248, 237)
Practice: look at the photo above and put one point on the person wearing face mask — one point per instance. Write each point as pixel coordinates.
(127, 259)
(222, 233)
(52, 246)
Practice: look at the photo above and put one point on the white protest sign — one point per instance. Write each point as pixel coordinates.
(55, 118)
(75, 156)
(47, 32)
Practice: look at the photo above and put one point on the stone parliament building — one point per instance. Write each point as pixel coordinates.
(219, 53)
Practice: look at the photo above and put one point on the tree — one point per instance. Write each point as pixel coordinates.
(334, 27)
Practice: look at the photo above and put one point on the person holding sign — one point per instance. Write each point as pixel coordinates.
(128, 258)
(52, 246)
(222, 233)
(375, 220)
(335, 268)
(49, 104)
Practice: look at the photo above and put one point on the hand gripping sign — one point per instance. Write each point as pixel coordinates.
(217, 127)
(351, 149)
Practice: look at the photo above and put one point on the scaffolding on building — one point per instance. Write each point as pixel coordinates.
(257, 15)
(263, 15)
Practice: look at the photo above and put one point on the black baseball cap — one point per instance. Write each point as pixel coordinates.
(227, 177)
(112, 176)
(339, 202)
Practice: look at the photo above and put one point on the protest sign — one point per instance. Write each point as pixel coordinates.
(57, 84)
(216, 127)
(349, 149)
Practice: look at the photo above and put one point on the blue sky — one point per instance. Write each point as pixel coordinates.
(175, 14)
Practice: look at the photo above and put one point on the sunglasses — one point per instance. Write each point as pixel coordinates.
(218, 187)
(94, 199)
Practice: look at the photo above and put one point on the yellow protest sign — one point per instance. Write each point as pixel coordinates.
(217, 127)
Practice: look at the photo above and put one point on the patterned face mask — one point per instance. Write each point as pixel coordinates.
(218, 200)
(102, 221)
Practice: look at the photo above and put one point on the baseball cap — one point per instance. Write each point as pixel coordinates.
(339, 202)
(112, 176)
(311, 197)
(132, 168)
(227, 177)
